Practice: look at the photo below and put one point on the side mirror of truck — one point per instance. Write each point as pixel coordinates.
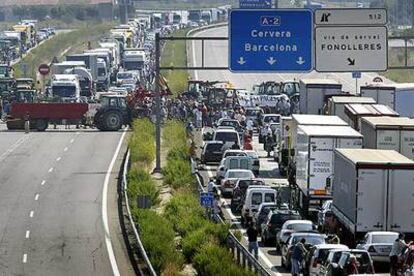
(328, 183)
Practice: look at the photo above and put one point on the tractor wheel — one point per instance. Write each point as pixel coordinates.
(41, 125)
(112, 121)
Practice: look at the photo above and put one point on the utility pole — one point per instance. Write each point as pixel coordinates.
(157, 106)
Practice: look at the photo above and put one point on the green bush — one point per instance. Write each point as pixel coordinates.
(177, 173)
(140, 183)
(142, 142)
(215, 260)
(209, 233)
(185, 213)
(157, 235)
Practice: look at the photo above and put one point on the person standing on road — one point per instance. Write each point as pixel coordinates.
(397, 249)
(210, 185)
(298, 254)
(252, 234)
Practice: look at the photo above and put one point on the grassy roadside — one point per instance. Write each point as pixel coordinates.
(70, 41)
(180, 234)
(175, 54)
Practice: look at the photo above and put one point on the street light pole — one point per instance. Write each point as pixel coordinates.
(157, 106)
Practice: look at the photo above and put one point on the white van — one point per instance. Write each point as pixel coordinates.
(233, 162)
(256, 195)
(228, 136)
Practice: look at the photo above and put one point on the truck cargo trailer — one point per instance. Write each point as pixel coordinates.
(373, 191)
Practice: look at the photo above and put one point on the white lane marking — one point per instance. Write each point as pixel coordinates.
(72, 140)
(31, 214)
(27, 234)
(13, 147)
(37, 197)
(58, 159)
(194, 59)
(108, 241)
(65, 149)
(43, 182)
(24, 258)
(77, 133)
(51, 170)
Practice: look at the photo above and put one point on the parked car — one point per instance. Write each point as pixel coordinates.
(228, 136)
(239, 192)
(234, 152)
(316, 256)
(378, 244)
(230, 122)
(365, 263)
(274, 223)
(253, 114)
(262, 213)
(292, 226)
(333, 257)
(230, 179)
(231, 163)
(254, 197)
(287, 248)
(212, 152)
(255, 161)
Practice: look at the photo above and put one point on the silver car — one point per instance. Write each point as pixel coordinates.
(378, 244)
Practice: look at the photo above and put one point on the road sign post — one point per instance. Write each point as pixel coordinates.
(206, 200)
(356, 75)
(270, 40)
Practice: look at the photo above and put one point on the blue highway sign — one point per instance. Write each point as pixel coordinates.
(356, 75)
(206, 200)
(270, 40)
(255, 4)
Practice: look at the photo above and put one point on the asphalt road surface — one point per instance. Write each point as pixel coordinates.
(216, 54)
(52, 210)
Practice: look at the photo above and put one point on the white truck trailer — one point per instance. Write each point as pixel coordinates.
(398, 96)
(336, 105)
(314, 160)
(373, 191)
(355, 112)
(392, 133)
(314, 92)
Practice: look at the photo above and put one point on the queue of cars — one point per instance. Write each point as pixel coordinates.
(277, 223)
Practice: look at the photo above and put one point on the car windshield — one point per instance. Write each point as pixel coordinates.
(310, 239)
(214, 147)
(300, 227)
(227, 137)
(275, 119)
(252, 112)
(239, 174)
(279, 219)
(384, 238)
(229, 123)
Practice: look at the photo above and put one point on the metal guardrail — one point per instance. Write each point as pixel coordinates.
(240, 253)
(136, 234)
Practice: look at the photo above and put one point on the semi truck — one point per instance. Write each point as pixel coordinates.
(355, 112)
(392, 133)
(65, 87)
(373, 191)
(314, 94)
(398, 96)
(134, 59)
(314, 159)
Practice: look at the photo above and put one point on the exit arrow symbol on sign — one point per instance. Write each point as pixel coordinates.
(271, 60)
(351, 61)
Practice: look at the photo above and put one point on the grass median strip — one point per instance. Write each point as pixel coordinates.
(182, 233)
(71, 41)
(175, 54)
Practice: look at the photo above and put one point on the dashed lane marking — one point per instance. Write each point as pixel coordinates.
(37, 197)
(27, 234)
(31, 214)
(24, 258)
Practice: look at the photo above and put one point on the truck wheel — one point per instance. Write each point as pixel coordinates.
(112, 121)
(41, 125)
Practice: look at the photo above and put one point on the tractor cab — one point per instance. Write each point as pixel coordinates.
(270, 88)
(113, 113)
(26, 95)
